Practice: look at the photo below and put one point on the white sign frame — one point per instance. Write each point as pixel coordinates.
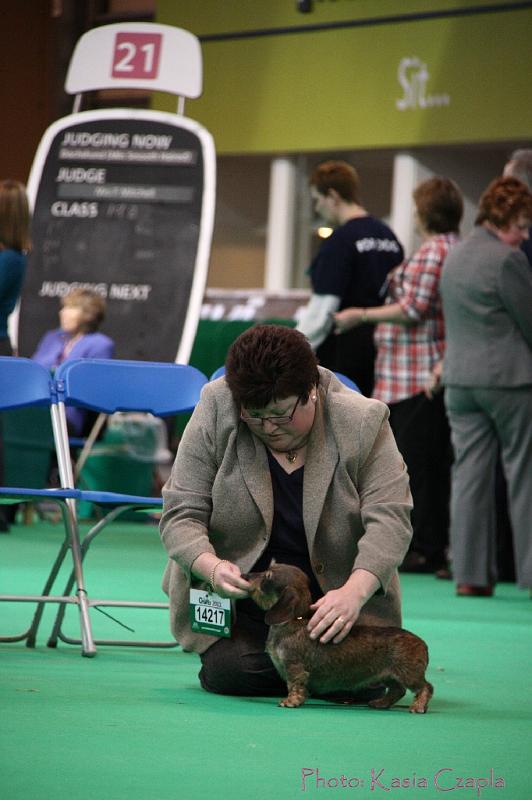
(180, 65)
(208, 198)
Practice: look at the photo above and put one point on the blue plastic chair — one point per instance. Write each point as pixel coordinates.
(107, 386)
(25, 383)
(218, 373)
(345, 380)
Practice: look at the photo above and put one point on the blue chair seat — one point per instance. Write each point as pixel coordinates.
(117, 499)
(14, 494)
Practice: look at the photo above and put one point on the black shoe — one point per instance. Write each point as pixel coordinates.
(444, 574)
(415, 562)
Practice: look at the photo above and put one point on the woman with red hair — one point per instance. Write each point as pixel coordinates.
(410, 340)
(486, 289)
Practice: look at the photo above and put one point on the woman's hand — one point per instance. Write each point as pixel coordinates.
(348, 318)
(227, 581)
(337, 611)
(434, 384)
(335, 614)
(224, 576)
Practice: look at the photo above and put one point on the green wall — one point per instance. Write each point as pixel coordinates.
(465, 77)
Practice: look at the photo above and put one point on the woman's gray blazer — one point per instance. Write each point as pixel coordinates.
(356, 499)
(486, 289)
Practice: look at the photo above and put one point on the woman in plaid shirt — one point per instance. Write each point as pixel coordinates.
(410, 340)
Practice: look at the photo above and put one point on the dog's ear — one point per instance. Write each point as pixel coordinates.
(284, 609)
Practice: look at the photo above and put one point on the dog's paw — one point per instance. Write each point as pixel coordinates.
(291, 702)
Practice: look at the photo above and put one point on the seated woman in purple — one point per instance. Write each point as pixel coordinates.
(81, 314)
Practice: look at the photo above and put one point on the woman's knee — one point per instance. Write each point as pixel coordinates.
(227, 669)
(219, 673)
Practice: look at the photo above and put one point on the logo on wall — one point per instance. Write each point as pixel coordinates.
(413, 75)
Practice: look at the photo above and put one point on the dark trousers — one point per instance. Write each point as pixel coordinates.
(240, 665)
(505, 555)
(423, 437)
(352, 354)
(487, 424)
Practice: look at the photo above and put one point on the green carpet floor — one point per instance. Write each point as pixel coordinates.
(133, 724)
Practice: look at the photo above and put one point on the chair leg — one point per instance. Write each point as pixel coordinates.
(32, 630)
(72, 542)
(58, 622)
(88, 647)
(56, 630)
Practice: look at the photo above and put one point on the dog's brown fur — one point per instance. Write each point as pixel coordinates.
(368, 655)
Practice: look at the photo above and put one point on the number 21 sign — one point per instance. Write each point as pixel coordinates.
(136, 55)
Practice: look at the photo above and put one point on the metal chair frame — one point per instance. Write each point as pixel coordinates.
(107, 386)
(25, 383)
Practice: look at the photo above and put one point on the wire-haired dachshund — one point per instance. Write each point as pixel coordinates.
(368, 654)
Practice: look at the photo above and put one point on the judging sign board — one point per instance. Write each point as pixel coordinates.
(123, 203)
(123, 200)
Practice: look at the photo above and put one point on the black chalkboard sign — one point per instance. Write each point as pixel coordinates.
(123, 203)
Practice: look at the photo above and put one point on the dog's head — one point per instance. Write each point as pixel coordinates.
(282, 591)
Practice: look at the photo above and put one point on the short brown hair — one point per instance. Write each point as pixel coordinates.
(91, 303)
(439, 205)
(14, 216)
(270, 362)
(503, 202)
(337, 175)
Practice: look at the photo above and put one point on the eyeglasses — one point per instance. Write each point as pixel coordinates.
(258, 422)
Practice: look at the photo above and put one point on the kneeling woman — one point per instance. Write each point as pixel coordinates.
(280, 460)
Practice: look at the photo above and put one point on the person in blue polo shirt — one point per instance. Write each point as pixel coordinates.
(350, 268)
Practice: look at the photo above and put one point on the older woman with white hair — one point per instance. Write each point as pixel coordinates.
(81, 314)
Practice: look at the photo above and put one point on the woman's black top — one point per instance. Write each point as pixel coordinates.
(288, 543)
